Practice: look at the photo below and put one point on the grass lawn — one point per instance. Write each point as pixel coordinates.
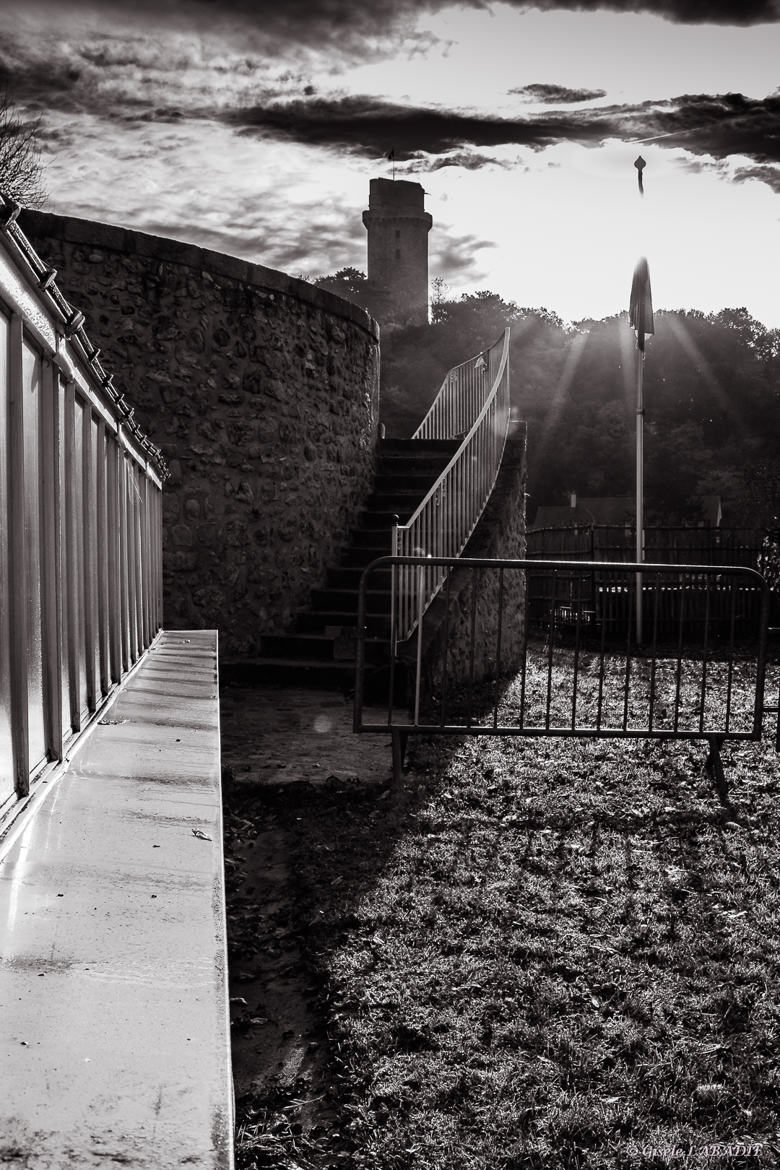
(532, 953)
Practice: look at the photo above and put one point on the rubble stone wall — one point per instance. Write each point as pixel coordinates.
(263, 393)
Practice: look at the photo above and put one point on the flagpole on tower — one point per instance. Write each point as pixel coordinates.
(641, 317)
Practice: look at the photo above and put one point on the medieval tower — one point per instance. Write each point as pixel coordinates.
(398, 225)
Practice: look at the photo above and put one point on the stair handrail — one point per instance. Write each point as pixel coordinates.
(447, 516)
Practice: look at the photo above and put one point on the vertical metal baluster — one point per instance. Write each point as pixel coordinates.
(730, 679)
(499, 631)
(114, 598)
(632, 595)
(90, 558)
(472, 642)
(654, 650)
(418, 667)
(758, 707)
(51, 559)
(17, 561)
(577, 633)
(524, 643)
(680, 627)
(602, 642)
(551, 639)
(705, 653)
(395, 601)
(445, 666)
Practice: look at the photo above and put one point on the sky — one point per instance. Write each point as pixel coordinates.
(254, 127)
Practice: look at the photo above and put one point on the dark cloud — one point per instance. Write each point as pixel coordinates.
(467, 160)
(343, 23)
(766, 174)
(457, 254)
(558, 94)
(322, 240)
(372, 127)
(719, 125)
(344, 16)
(736, 12)
(269, 25)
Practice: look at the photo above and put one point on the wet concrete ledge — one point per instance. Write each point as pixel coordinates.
(114, 1036)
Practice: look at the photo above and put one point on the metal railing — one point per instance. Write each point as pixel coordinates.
(80, 522)
(473, 402)
(516, 658)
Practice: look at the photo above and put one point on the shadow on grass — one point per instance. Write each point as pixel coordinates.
(528, 953)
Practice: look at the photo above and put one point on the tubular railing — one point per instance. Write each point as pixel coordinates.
(80, 523)
(473, 402)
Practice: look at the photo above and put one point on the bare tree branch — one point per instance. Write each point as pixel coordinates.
(21, 172)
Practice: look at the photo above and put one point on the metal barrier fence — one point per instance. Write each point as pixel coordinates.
(668, 543)
(80, 522)
(548, 648)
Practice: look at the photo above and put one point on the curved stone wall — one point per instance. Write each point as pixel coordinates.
(263, 393)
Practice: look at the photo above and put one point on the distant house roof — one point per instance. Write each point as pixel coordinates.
(583, 511)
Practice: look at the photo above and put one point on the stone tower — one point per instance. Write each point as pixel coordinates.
(398, 225)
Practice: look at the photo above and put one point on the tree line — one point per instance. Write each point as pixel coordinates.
(711, 396)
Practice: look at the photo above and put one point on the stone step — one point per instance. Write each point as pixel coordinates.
(418, 446)
(348, 577)
(281, 671)
(377, 522)
(367, 538)
(397, 502)
(322, 643)
(337, 646)
(377, 600)
(317, 621)
(420, 482)
(360, 557)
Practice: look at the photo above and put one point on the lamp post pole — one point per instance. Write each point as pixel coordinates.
(642, 318)
(640, 486)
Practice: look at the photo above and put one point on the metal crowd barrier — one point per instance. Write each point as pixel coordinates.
(552, 648)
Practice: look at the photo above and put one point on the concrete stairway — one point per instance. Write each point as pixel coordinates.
(320, 650)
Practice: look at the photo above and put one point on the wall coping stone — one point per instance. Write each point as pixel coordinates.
(129, 242)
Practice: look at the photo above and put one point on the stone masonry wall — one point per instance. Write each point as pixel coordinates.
(500, 534)
(262, 392)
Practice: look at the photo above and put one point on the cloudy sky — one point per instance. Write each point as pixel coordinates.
(254, 127)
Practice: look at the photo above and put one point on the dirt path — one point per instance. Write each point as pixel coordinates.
(277, 746)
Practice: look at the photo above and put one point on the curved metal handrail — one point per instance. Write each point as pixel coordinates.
(474, 398)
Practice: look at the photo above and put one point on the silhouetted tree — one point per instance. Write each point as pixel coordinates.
(349, 283)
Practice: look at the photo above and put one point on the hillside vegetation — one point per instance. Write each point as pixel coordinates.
(712, 399)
